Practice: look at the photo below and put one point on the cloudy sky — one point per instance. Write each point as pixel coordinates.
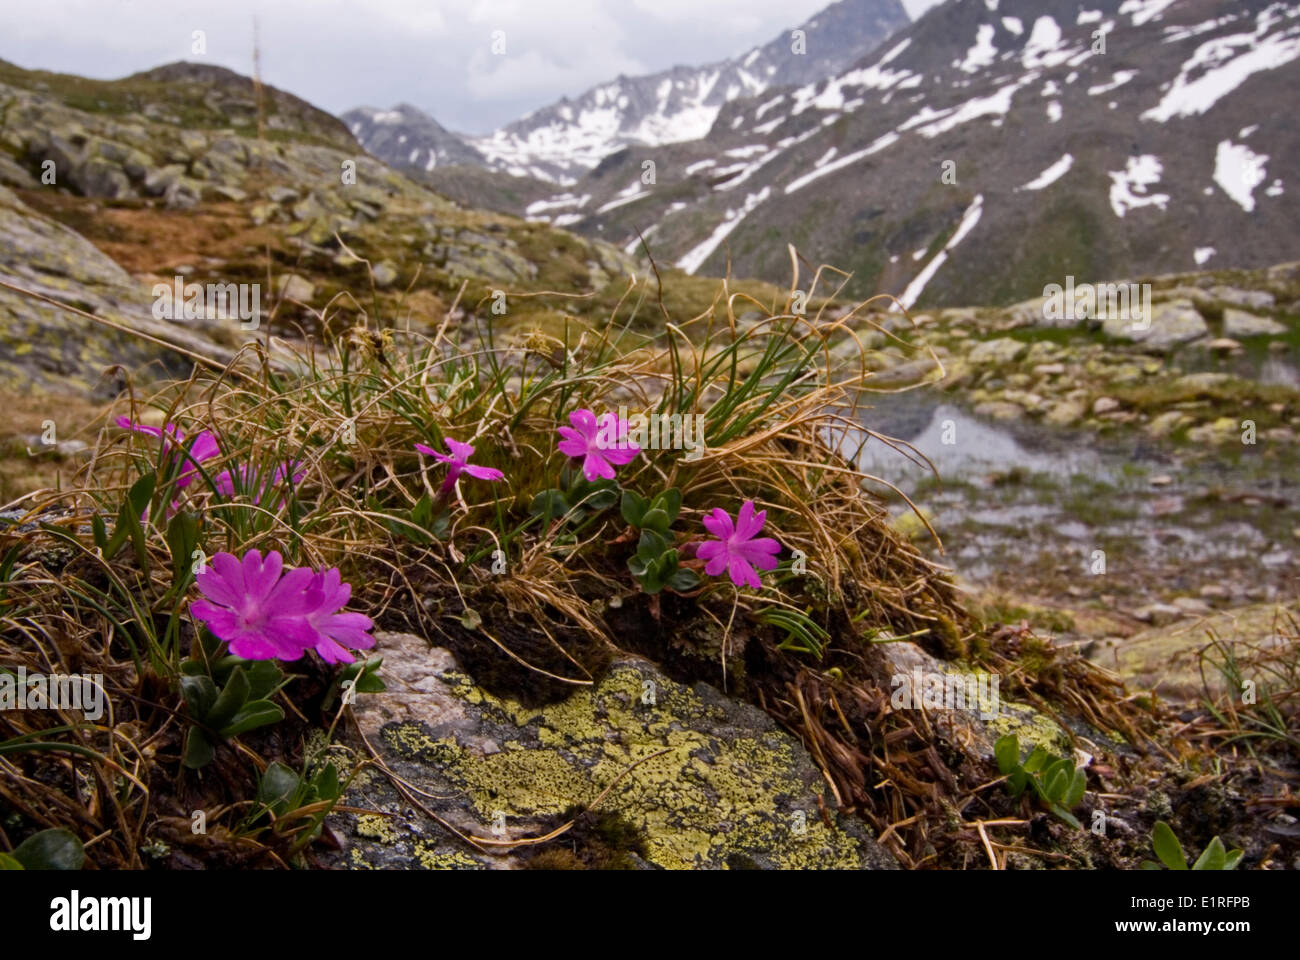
(436, 54)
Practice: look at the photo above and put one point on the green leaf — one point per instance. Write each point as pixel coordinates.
(326, 782)
(1007, 752)
(9, 863)
(1037, 760)
(55, 849)
(1214, 857)
(550, 505)
(200, 694)
(278, 785)
(651, 546)
(1066, 815)
(1149, 865)
(263, 678)
(656, 519)
(232, 697)
(1078, 787)
(684, 580)
(1017, 781)
(254, 714)
(1167, 847)
(99, 532)
(670, 502)
(633, 507)
(198, 749)
(1232, 859)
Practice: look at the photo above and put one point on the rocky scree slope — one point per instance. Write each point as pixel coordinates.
(162, 175)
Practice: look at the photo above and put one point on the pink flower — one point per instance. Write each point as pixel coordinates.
(599, 444)
(249, 481)
(264, 615)
(201, 447)
(336, 630)
(261, 615)
(736, 550)
(458, 463)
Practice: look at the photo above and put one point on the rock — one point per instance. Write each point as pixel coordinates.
(699, 780)
(1166, 423)
(1161, 480)
(1213, 591)
(281, 194)
(999, 410)
(1255, 299)
(53, 350)
(1239, 323)
(1158, 613)
(157, 181)
(385, 274)
(12, 175)
(290, 286)
(1049, 369)
(184, 194)
(971, 728)
(1105, 405)
(1201, 382)
(1066, 412)
(1219, 345)
(1171, 323)
(1166, 658)
(1000, 351)
(100, 178)
(903, 374)
(1191, 606)
(223, 192)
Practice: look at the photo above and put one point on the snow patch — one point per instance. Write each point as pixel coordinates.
(914, 289)
(693, 260)
(1053, 173)
(1128, 187)
(1238, 170)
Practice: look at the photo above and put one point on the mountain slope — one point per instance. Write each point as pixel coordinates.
(561, 142)
(1163, 151)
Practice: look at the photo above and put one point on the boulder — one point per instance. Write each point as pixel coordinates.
(1239, 323)
(1171, 323)
(1000, 351)
(699, 781)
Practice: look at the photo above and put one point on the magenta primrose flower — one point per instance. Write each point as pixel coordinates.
(202, 447)
(250, 482)
(738, 549)
(458, 463)
(599, 444)
(265, 612)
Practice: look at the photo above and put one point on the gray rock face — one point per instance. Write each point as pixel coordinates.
(1172, 322)
(49, 348)
(698, 780)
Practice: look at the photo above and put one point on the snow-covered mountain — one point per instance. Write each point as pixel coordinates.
(989, 148)
(562, 142)
(409, 138)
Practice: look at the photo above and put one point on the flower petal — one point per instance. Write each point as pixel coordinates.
(484, 473)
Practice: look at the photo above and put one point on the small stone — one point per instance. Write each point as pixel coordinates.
(385, 274)
(1213, 591)
(1050, 369)
(1158, 613)
(1191, 606)
(1105, 405)
(1000, 410)
(293, 287)
(1161, 480)
(1002, 350)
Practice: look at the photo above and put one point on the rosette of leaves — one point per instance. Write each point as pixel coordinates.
(1170, 852)
(575, 502)
(1056, 782)
(233, 698)
(655, 564)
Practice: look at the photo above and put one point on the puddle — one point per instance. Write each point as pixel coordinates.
(1028, 509)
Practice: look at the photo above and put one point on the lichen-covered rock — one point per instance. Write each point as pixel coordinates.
(698, 780)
